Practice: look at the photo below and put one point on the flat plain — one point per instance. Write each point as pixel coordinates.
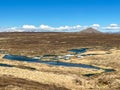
(48, 77)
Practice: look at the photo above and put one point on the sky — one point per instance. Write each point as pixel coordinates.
(59, 15)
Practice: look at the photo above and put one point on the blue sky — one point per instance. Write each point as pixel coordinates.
(57, 13)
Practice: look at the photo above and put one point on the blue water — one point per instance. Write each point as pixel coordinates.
(78, 51)
(20, 58)
(56, 63)
(109, 70)
(5, 65)
(105, 70)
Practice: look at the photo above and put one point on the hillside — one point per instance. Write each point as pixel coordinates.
(91, 30)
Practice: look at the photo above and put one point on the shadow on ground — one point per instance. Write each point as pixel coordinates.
(12, 83)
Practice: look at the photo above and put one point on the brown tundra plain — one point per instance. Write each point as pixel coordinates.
(37, 76)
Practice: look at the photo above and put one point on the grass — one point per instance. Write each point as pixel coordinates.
(8, 82)
(55, 43)
(107, 47)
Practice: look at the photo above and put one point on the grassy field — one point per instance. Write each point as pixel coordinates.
(54, 43)
(106, 46)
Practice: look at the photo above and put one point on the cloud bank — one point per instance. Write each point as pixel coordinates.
(112, 27)
(43, 28)
(47, 28)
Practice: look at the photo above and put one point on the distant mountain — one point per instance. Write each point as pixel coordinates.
(90, 31)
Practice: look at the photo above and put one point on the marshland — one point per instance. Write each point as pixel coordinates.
(103, 52)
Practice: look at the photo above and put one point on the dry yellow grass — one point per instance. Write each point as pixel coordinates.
(70, 77)
(32, 44)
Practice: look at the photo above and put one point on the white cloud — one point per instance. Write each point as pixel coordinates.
(61, 28)
(43, 28)
(28, 27)
(112, 27)
(46, 27)
(14, 29)
(96, 26)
